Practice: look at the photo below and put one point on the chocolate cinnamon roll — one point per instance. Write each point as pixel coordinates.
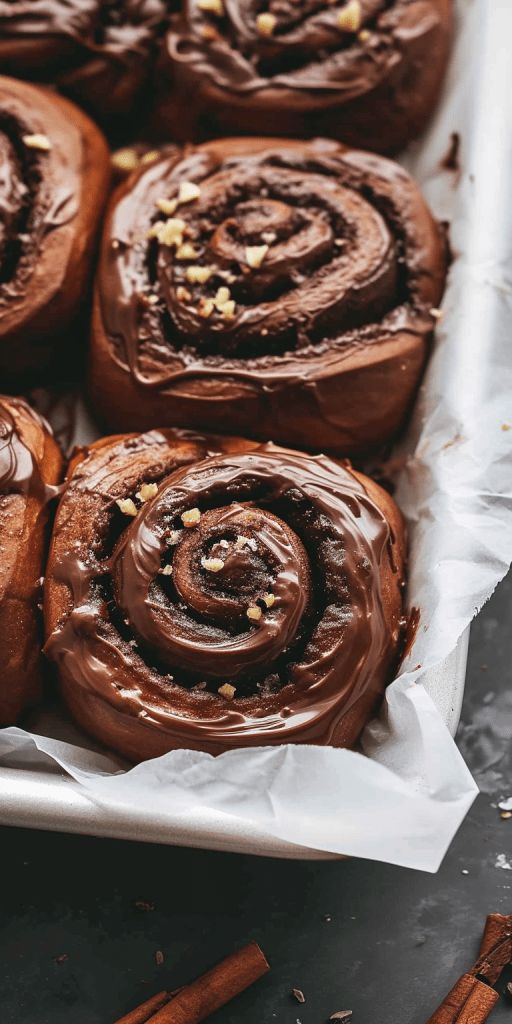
(30, 466)
(54, 174)
(214, 593)
(98, 52)
(367, 72)
(280, 289)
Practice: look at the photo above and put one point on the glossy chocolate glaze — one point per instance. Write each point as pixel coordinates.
(39, 193)
(353, 260)
(147, 646)
(19, 470)
(30, 467)
(370, 80)
(98, 51)
(54, 173)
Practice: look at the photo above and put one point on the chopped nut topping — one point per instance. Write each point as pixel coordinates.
(205, 308)
(168, 232)
(269, 599)
(150, 156)
(174, 537)
(151, 299)
(227, 691)
(266, 23)
(223, 295)
(211, 6)
(186, 252)
(183, 294)
(227, 309)
(167, 206)
(191, 517)
(254, 613)
(147, 491)
(188, 191)
(255, 254)
(125, 159)
(351, 17)
(198, 275)
(437, 314)
(166, 570)
(212, 564)
(127, 506)
(37, 141)
(364, 35)
(242, 542)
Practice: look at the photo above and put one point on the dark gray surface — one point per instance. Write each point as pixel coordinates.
(396, 942)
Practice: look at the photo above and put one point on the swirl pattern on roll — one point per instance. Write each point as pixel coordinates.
(286, 289)
(53, 180)
(366, 72)
(99, 52)
(213, 593)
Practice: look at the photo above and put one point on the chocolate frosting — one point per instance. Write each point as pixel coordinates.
(98, 51)
(19, 470)
(30, 467)
(148, 618)
(351, 260)
(49, 153)
(364, 71)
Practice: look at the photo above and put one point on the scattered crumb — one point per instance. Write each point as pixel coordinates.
(502, 862)
(159, 958)
(298, 994)
(61, 959)
(145, 905)
(450, 161)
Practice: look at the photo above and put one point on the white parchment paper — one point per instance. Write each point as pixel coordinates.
(405, 799)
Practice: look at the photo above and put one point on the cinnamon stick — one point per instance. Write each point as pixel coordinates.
(196, 1001)
(469, 1002)
(472, 998)
(495, 947)
(146, 1010)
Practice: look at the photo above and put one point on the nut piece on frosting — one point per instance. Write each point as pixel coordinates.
(147, 491)
(254, 613)
(351, 16)
(266, 23)
(127, 506)
(255, 254)
(191, 517)
(38, 141)
(227, 691)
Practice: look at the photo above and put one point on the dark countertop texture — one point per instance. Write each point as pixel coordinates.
(384, 942)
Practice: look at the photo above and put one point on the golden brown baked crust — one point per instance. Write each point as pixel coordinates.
(212, 593)
(30, 463)
(291, 299)
(55, 181)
